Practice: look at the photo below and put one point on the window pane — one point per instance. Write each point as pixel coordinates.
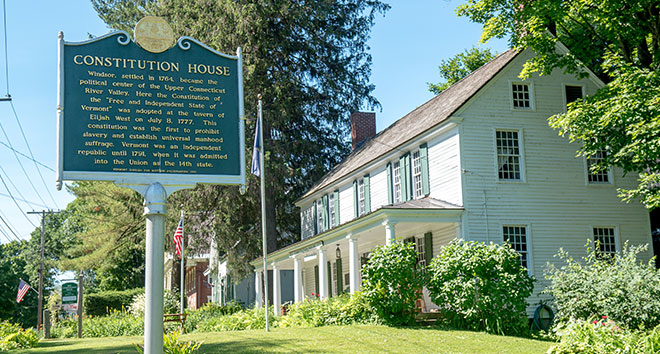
(516, 236)
(573, 93)
(521, 97)
(396, 183)
(508, 155)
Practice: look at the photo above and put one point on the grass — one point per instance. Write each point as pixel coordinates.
(331, 339)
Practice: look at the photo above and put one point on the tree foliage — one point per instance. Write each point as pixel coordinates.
(309, 60)
(611, 38)
(12, 269)
(460, 66)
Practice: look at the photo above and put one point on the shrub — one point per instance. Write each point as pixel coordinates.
(619, 287)
(12, 336)
(207, 313)
(104, 302)
(391, 283)
(603, 336)
(172, 345)
(341, 310)
(116, 324)
(481, 287)
(170, 304)
(245, 319)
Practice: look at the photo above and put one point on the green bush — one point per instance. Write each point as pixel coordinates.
(104, 302)
(170, 303)
(115, 324)
(245, 319)
(172, 345)
(391, 283)
(341, 310)
(12, 336)
(208, 312)
(619, 287)
(480, 287)
(604, 336)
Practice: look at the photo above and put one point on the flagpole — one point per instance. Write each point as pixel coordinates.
(182, 285)
(263, 207)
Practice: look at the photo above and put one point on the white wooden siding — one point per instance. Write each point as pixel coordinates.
(378, 187)
(444, 168)
(346, 203)
(554, 200)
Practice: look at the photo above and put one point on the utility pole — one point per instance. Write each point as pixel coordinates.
(41, 264)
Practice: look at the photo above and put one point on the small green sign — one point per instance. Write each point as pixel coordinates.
(129, 113)
(69, 293)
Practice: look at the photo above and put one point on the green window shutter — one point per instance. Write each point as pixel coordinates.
(339, 275)
(355, 199)
(326, 215)
(402, 177)
(390, 191)
(329, 278)
(316, 278)
(424, 164)
(315, 219)
(428, 247)
(336, 201)
(406, 178)
(367, 195)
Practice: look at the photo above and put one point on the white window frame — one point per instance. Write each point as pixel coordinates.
(420, 250)
(361, 197)
(416, 175)
(521, 151)
(528, 239)
(617, 244)
(331, 210)
(530, 86)
(610, 175)
(563, 92)
(397, 197)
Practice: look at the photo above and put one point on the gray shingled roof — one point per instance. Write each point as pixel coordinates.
(423, 203)
(430, 114)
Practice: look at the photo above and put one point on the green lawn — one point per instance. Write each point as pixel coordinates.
(344, 339)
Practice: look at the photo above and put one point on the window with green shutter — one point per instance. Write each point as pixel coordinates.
(316, 279)
(428, 247)
(340, 278)
(390, 190)
(325, 213)
(367, 195)
(336, 215)
(355, 199)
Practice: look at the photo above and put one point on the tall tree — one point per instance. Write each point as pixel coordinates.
(617, 40)
(459, 66)
(309, 59)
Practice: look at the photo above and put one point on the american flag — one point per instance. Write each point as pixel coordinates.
(178, 238)
(23, 288)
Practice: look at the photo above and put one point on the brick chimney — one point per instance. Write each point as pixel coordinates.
(363, 127)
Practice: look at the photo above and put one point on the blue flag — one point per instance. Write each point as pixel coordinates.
(256, 160)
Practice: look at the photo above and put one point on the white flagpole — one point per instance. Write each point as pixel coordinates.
(182, 285)
(263, 206)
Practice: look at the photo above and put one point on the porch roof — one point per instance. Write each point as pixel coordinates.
(418, 210)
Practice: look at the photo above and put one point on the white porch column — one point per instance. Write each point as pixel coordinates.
(297, 279)
(258, 301)
(277, 289)
(389, 231)
(323, 273)
(353, 265)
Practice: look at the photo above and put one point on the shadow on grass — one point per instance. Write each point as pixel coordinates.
(257, 346)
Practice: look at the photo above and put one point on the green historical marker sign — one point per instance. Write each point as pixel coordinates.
(69, 293)
(136, 113)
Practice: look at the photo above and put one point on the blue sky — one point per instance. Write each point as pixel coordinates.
(407, 44)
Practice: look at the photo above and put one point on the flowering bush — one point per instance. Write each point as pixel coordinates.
(12, 336)
(603, 336)
(620, 287)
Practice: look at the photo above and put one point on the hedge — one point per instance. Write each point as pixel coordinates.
(102, 303)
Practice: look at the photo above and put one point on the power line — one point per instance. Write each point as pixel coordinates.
(26, 156)
(13, 185)
(10, 229)
(6, 221)
(30, 151)
(15, 202)
(31, 204)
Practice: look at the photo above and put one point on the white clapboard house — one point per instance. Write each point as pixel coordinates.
(476, 162)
